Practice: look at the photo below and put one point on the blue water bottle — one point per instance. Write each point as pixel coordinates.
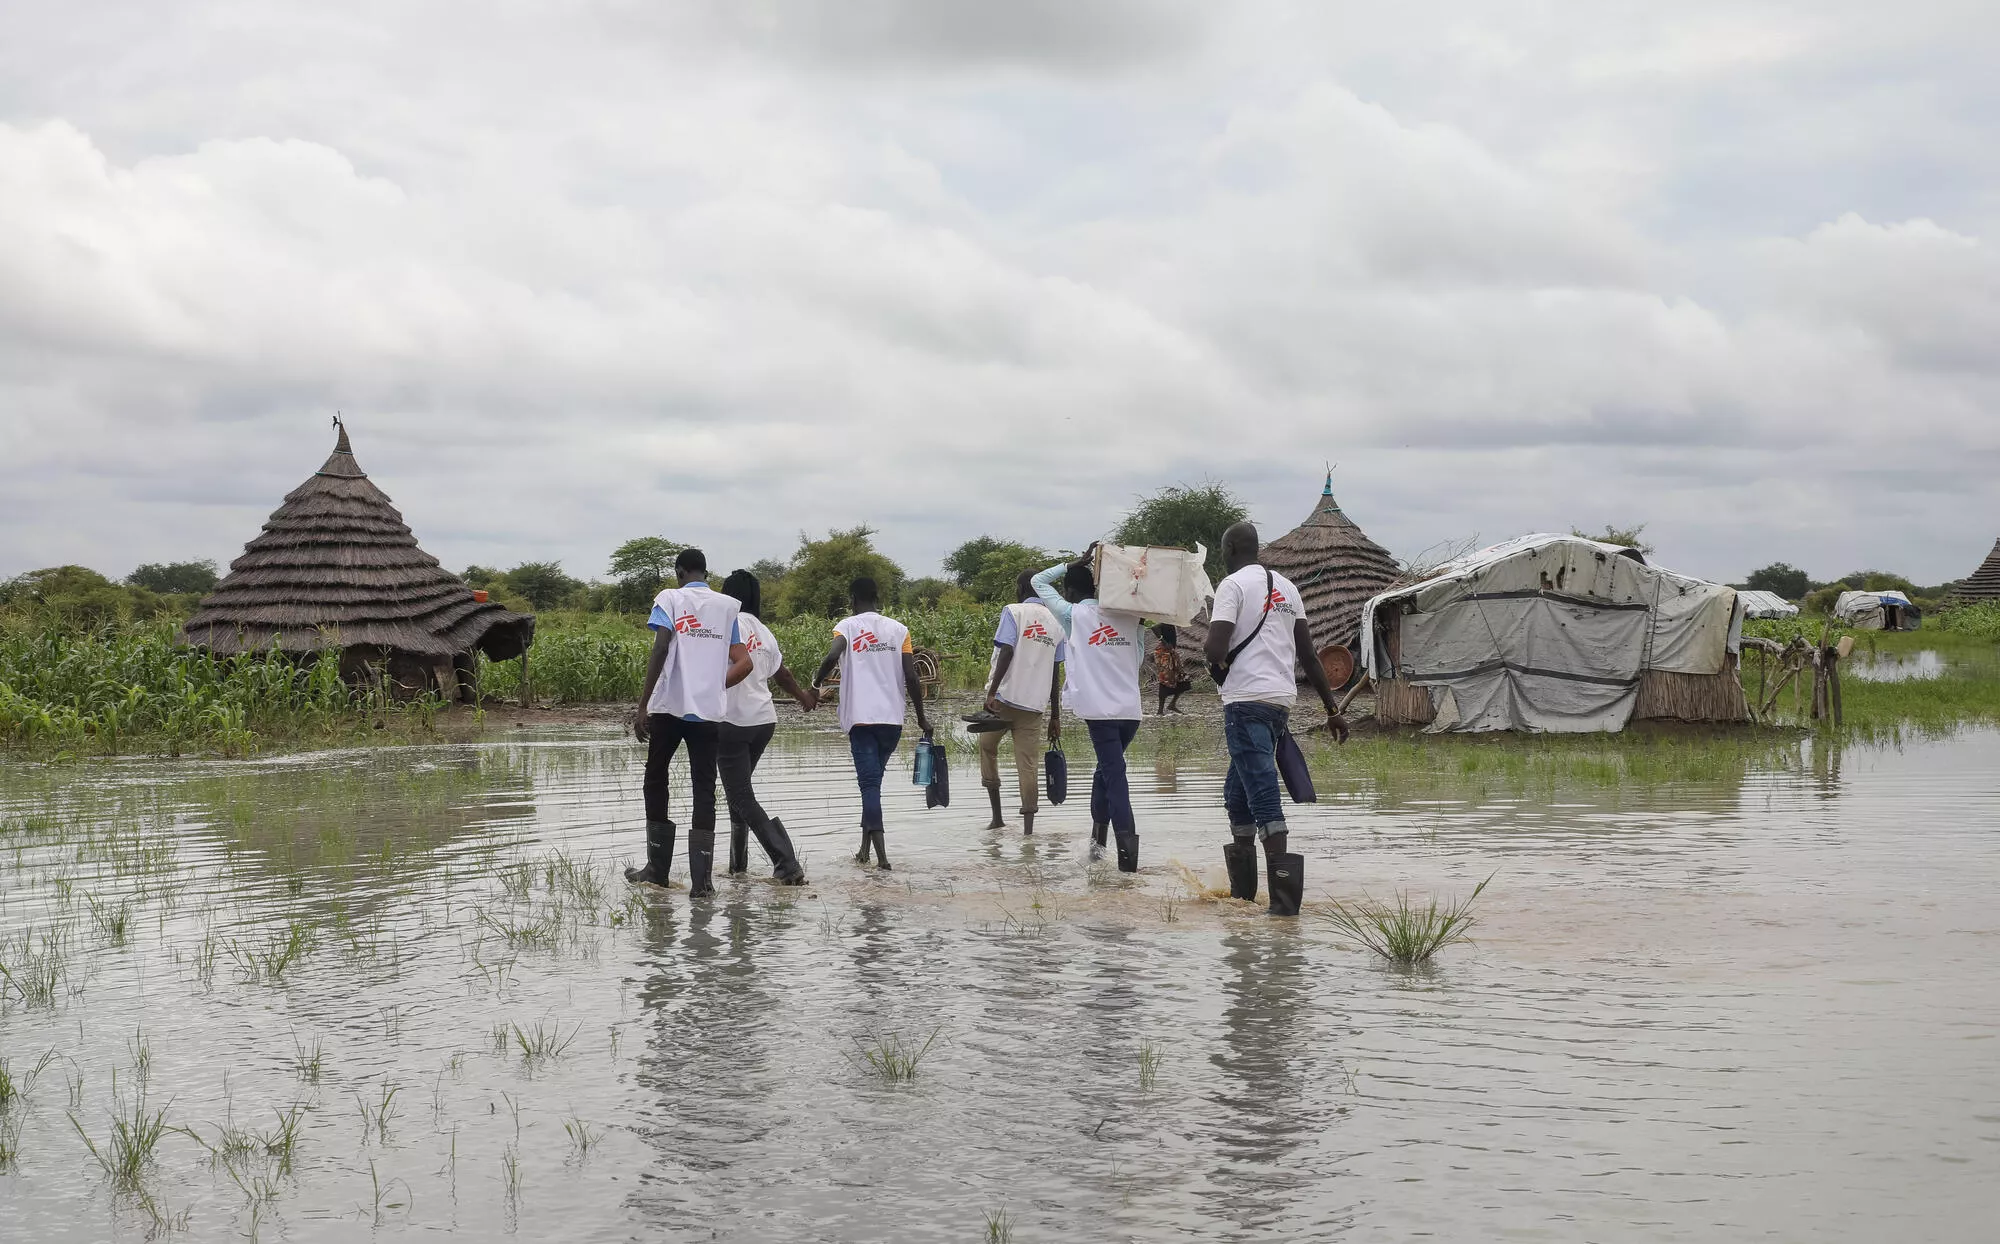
(923, 769)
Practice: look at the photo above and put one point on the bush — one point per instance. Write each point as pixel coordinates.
(1981, 621)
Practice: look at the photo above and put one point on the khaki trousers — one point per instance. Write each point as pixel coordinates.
(1025, 728)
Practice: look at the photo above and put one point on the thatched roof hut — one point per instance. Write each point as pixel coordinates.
(336, 566)
(1982, 584)
(1336, 566)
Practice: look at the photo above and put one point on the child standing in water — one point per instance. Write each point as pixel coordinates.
(878, 668)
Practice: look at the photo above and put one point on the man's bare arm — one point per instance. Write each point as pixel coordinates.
(656, 661)
(1302, 638)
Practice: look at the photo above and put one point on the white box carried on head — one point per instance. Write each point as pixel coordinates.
(1157, 583)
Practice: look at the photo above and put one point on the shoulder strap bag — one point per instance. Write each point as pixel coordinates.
(1220, 672)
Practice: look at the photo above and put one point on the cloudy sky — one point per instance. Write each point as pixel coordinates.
(724, 271)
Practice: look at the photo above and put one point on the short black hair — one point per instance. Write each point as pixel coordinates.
(864, 592)
(748, 592)
(691, 561)
(1024, 586)
(1081, 583)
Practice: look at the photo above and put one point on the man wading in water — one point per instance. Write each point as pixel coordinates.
(1028, 646)
(877, 669)
(1254, 673)
(748, 723)
(1106, 648)
(695, 642)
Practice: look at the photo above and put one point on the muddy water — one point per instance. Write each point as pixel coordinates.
(1760, 1005)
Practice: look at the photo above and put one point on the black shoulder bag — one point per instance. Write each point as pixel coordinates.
(1220, 672)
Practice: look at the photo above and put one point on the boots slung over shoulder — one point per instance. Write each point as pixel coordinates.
(659, 855)
(1288, 884)
(1240, 857)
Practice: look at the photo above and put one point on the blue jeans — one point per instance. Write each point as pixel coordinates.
(872, 746)
(1251, 791)
(1110, 792)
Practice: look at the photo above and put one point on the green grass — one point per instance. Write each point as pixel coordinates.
(999, 1227)
(127, 1153)
(1151, 1055)
(894, 1057)
(1402, 931)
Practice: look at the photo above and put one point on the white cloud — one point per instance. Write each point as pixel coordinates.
(951, 270)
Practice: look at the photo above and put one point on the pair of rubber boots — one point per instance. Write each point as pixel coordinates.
(660, 858)
(872, 839)
(777, 844)
(1128, 847)
(1286, 875)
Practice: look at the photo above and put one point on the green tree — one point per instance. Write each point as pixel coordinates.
(1182, 516)
(964, 563)
(931, 592)
(176, 578)
(816, 582)
(641, 567)
(1624, 537)
(543, 584)
(480, 576)
(1001, 568)
(1782, 578)
(78, 596)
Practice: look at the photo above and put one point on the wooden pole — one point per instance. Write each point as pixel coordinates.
(527, 684)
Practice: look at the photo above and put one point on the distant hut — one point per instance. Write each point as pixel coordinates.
(1336, 567)
(1982, 584)
(336, 568)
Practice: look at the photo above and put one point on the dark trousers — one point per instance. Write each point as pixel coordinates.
(1251, 792)
(666, 734)
(739, 748)
(872, 746)
(1110, 791)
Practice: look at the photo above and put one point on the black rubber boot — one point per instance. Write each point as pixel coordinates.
(777, 844)
(701, 861)
(993, 797)
(1128, 853)
(1097, 832)
(659, 855)
(1287, 874)
(1240, 857)
(739, 847)
(867, 841)
(881, 849)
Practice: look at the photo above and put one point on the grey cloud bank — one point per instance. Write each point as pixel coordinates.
(576, 275)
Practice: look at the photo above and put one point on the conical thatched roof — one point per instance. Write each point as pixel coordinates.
(336, 565)
(1982, 584)
(1336, 566)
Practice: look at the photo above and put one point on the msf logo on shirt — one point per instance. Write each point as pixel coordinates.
(866, 642)
(689, 625)
(1278, 603)
(1108, 635)
(1035, 630)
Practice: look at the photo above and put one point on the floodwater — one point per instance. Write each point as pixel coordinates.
(1897, 666)
(1758, 1006)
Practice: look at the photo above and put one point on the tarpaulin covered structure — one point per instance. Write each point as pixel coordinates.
(1878, 611)
(1553, 633)
(1766, 605)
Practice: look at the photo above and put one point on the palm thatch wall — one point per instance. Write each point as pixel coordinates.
(1982, 584)
(336, 566)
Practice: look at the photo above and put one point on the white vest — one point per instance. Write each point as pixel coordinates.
(691, 685)
(1038, 633)
(750, 702)
(871, 670)
(1106, 648)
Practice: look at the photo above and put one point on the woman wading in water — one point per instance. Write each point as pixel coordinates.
(748, 722)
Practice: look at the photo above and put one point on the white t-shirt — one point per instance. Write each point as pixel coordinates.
(750, 702)
(1106, 648)
(704, 626)
(1035, 634)
(1266, 670)
(871, 670)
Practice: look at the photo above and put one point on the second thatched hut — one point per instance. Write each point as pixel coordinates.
(337, 571)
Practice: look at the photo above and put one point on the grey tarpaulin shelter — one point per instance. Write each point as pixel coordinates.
(1878, 611)
(1553, 633)
(1766, 605)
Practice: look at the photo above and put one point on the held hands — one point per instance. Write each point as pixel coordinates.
(808, 699)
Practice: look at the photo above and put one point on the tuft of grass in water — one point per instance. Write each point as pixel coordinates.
(281, 952)
(309, 1064)
(15, 1089)
(1403, 932)
(581, 1135)
(1151, 1055)
(384, 1191)
(376, 1118)
(893, 1057)
(162, 1219)
(542, 1043)
(35, 968)
(999, 1227)
(115, 923)
(510, 1171)
(128, 1151)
